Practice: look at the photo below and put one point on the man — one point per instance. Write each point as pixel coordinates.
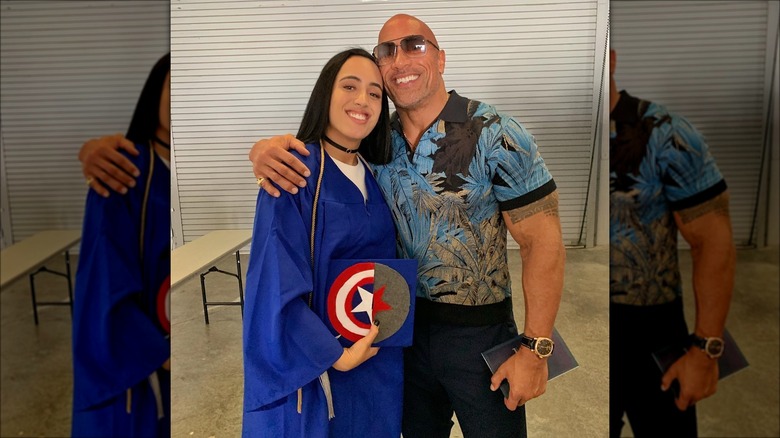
(663, 179)
(462, 174)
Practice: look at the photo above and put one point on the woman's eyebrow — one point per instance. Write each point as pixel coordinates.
(360, 80)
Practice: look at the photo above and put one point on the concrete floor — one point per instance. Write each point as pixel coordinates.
(207, 372)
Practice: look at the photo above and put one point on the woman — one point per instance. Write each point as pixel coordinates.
(300, 379)
(121, 346)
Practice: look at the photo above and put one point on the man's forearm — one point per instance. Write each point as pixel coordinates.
(714, 263)
(543, 263)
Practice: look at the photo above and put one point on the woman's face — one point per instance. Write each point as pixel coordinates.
(356, 102)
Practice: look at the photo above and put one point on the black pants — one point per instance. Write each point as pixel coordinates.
(444, 371)
(635, 332)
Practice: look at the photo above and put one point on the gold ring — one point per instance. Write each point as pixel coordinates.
(89, 180)
(260, 181)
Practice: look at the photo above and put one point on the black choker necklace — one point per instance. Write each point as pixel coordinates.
(338, 146)
(160, 142)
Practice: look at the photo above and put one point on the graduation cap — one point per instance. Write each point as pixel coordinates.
(360, 291)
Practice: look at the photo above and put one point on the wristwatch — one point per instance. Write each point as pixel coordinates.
(542, 347)
(712, 346)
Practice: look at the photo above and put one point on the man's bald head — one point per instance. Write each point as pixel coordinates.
(414, 81)
(401, 25)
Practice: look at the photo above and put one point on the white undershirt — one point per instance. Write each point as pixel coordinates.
(356, 174)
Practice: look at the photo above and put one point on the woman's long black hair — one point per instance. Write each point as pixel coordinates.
(146, 117)
(375, 148)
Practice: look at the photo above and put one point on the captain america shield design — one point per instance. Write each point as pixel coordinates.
(364, 292)
(164, 305)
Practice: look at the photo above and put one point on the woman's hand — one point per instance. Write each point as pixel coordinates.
(360, 351)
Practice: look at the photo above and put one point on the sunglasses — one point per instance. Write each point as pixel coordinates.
(414, 46)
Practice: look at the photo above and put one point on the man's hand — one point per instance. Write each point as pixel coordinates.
(167, 364)
(270, 160)
(101, 162)
(360, 351)
(697, 374)
(527, 377)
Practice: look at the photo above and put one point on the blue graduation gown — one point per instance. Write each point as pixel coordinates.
(120, 326)
(288, 345)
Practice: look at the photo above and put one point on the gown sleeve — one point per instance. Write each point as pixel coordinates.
(286, 345)
(116, 344)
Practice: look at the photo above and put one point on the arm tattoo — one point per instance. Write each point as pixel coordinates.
(547, 205)
(718, 205)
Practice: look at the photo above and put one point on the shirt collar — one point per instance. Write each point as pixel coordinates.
(455, 110)
(626, 110)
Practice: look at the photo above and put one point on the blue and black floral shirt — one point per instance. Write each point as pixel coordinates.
(659, 163)
(447, 196)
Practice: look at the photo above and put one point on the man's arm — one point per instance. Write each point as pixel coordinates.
(101, 162)
(707, 228)
(536, 227)
(270, 160)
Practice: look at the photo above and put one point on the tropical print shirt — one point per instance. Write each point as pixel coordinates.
(659, 163)
(447, 195)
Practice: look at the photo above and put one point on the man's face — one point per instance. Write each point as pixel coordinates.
(411, 81)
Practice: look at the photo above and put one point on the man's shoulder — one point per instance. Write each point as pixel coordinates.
(490, 113)
(670, 125)
(496, 122)
(662, 114)
(473, 108)
(476, 108)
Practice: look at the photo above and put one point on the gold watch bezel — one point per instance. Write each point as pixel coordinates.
(536, 347)
(707, 343)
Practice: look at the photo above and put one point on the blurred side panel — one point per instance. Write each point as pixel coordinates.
(710, 62)
(69, 71)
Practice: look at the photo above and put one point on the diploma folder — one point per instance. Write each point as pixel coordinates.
(729, 363)
(560, 361)
(361, 291)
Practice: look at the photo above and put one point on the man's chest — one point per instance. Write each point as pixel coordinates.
(449, 156)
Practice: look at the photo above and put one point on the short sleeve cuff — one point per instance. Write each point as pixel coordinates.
(532, 196)
(699, 198)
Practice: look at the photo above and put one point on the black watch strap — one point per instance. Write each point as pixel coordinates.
(713, 346)
(698, 341)
(527, 342)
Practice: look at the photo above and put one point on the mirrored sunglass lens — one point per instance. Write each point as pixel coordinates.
(384, 51)
(414, 45)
